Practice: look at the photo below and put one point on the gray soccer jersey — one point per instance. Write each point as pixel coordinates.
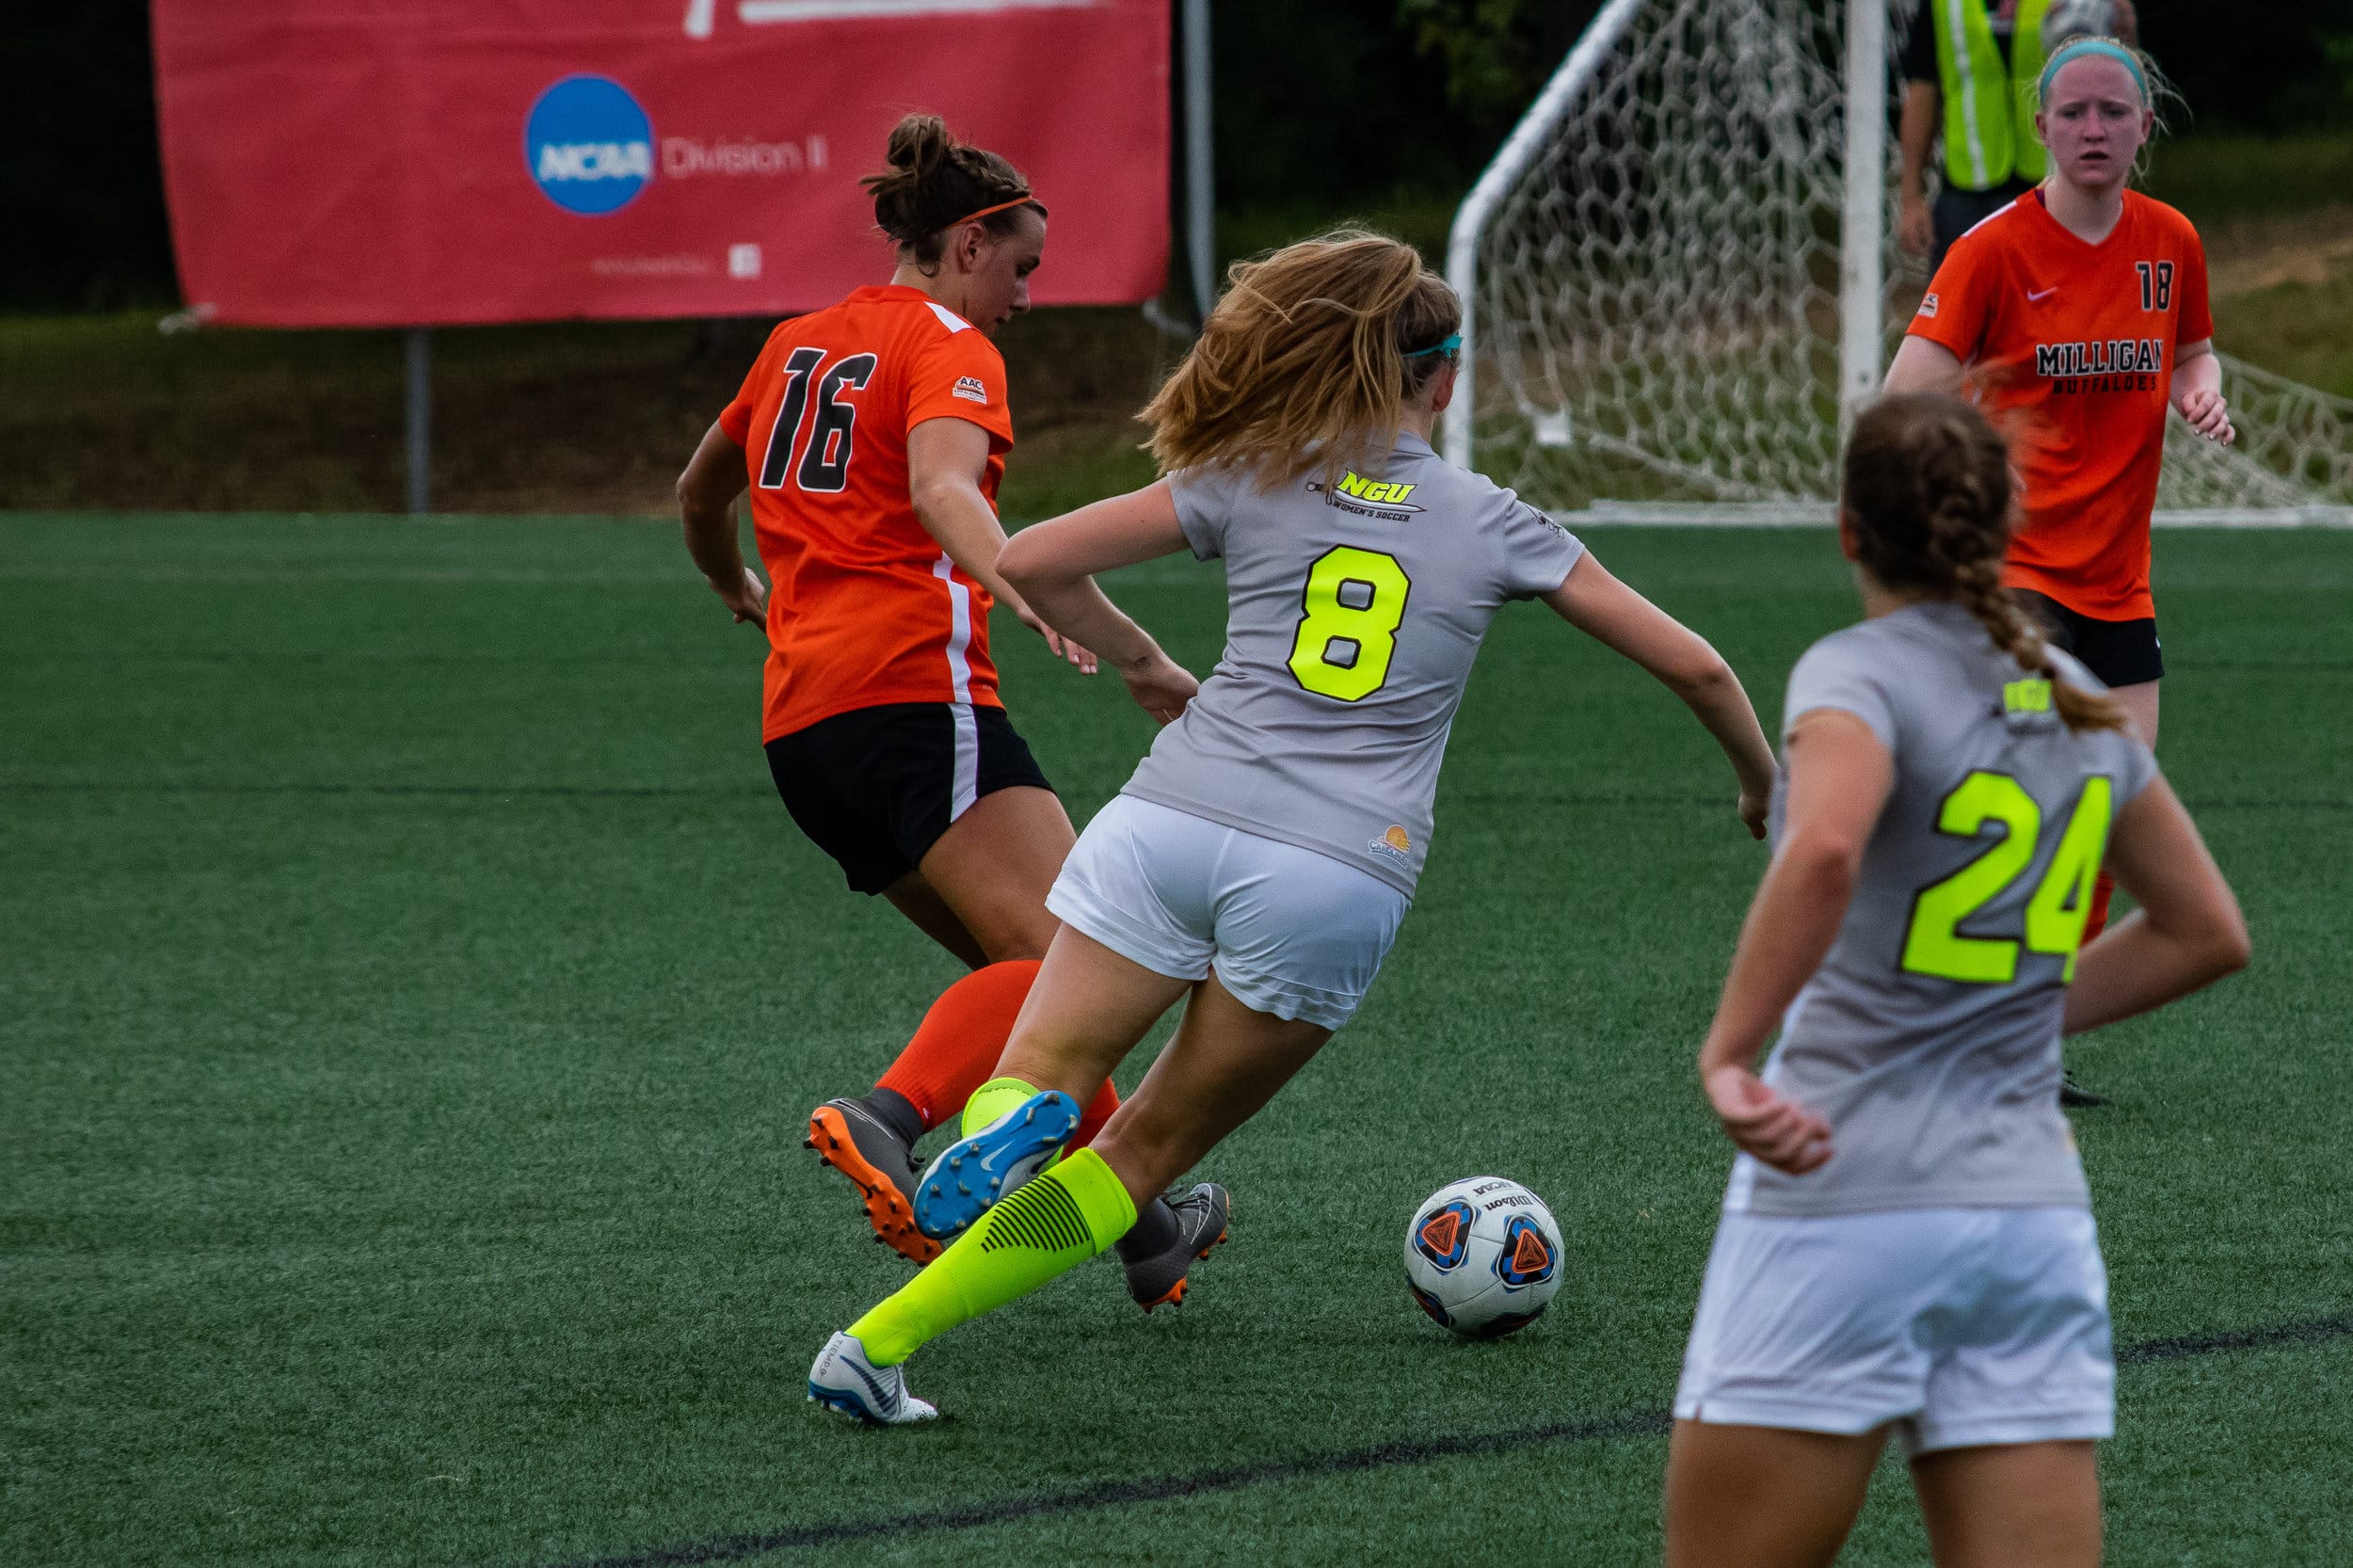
(1929, 1036)
(1354, 611)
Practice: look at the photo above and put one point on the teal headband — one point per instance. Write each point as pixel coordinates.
(1447, 344)
(2083, 46)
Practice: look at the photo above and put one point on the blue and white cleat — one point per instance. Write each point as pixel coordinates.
(973, 1172)
(843, 1380)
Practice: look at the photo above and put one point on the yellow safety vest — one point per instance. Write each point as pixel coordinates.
(1989, 114)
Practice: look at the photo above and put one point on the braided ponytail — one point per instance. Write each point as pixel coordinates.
(1928, 487)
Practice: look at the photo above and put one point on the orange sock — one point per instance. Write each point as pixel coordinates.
(2097, 921)
(1099, 1111)
(955, 1048)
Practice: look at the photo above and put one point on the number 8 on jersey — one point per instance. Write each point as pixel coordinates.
(1350, 609)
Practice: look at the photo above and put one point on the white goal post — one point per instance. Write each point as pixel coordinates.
(1678, 275)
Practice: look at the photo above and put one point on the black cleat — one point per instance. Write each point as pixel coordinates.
(2073, 1096)
(1157, 1277)
(851, 1136)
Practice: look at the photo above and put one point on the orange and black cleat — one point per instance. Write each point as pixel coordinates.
(1192, 1225)
(850, 1137)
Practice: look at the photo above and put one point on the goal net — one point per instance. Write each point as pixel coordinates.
(1656, 281)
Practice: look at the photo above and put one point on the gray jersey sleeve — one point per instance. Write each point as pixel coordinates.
(1841, 674)
(1537, 552)
(1205, 500)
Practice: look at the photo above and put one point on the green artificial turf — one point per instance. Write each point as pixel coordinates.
(414, 993)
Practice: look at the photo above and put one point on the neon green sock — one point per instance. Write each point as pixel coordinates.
(1052, 1224)
(991, 1100)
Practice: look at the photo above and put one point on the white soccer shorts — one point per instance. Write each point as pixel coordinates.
(1964, 1326)
(1289, 932)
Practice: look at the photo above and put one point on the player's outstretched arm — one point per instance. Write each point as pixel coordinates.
(707, 493)
(946, 459)
(1622, 620)
(1053, 564)
(1839, 777)
(2187, 932)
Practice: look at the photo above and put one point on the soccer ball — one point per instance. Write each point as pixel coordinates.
(1483, 1256)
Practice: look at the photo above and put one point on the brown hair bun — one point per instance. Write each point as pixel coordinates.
(934, 179)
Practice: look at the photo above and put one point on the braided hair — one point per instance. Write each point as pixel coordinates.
(1929, 496)
(935, 181)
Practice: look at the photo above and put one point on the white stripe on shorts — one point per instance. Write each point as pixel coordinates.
(959, 627)
(965, 787)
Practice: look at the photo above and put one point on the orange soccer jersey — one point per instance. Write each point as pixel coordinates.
(864, 608)
(2076, 343)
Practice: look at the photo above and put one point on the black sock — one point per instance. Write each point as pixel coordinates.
(895, 1112)
(1155, 1231)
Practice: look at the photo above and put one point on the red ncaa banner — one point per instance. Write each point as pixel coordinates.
(417, 163)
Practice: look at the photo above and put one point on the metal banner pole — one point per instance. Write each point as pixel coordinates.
(1200, 183)
(420, 362)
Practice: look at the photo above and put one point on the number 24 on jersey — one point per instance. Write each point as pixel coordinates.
(1934, 945)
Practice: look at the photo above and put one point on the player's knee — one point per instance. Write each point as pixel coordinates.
(1019, 934)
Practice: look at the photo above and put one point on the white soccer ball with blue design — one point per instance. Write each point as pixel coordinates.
(1483, 1256)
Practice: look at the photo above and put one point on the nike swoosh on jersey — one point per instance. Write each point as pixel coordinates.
(2036, 297)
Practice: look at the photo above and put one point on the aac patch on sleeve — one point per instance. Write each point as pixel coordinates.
(970, 389)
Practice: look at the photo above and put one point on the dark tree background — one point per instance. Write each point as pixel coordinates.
(1337, 101)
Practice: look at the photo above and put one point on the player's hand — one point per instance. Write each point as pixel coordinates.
(1754, 808)
(1160, 686)
(748, 596)
(1059, 646)
(1761, 1121)
(1915, 230)
(2208, 415)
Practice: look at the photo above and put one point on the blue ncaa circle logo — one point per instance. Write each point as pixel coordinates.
(589, 145)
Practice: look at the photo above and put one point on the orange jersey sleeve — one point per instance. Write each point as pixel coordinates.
(961, 376)
(2071, 347)
(864, 608)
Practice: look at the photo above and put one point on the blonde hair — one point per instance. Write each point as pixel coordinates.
(1927, 491)
(1308, 360)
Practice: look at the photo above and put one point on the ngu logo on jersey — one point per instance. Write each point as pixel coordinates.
(589, 145)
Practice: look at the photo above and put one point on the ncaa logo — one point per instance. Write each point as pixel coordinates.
(589, 145)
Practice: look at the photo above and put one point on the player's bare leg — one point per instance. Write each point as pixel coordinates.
(2139, 702)
(1086, 1012)
(2020, 1505)
(995, 865)
(1762, 1497)
(1225, 1062)
(921, 903)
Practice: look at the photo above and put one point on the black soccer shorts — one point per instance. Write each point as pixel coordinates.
(2120, 652)
(875, 787)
